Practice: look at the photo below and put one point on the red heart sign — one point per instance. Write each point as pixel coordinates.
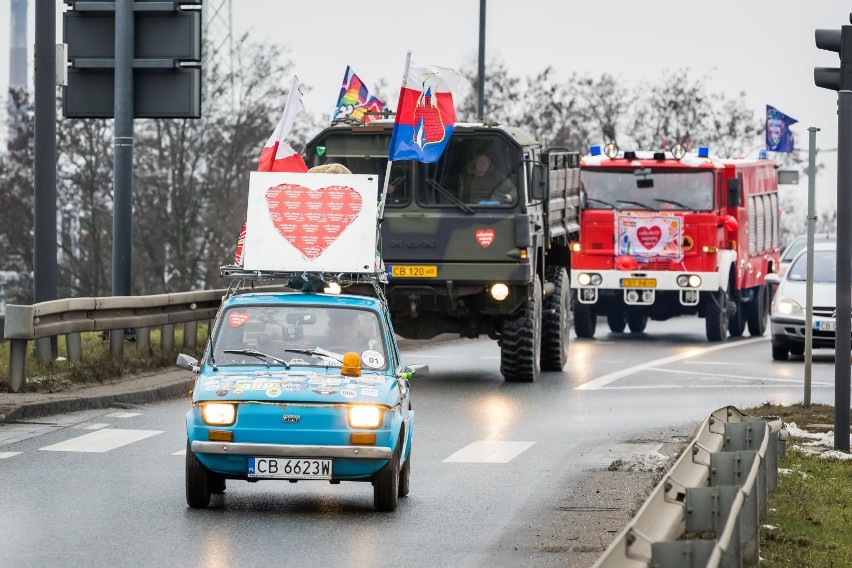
(649, 236)
(236, 319)
(485, 237)
(310, 219)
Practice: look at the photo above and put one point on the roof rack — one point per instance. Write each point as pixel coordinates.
(240, 279)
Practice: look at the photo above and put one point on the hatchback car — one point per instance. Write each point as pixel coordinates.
(787, 316)
(300, 386)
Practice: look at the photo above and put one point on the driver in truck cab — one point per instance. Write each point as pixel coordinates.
(487, 186)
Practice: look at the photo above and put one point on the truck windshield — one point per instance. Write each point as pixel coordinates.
(646, 189)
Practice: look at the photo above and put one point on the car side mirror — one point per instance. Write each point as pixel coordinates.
(189, 363)
(418, 371)
(772, 278)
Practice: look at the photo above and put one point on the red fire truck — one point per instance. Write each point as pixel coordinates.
(670, 233)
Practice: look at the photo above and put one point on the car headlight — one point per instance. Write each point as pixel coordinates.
(219, 413)
(788, 307)
(364, 416)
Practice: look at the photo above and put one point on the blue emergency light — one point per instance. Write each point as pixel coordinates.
(763, 155)
(595, 150)
(703, 152)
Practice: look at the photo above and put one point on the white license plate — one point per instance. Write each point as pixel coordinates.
(825, 326)
(289, 468)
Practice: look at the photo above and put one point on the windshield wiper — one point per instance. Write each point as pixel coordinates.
(601, 201)
(461, 204)
(676, 203)
(259, 355)
(318, 352)
(642, 205)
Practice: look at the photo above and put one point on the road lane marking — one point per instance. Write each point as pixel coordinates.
(93, 426)
(123, 414)
(485, 451)
(4, 455)
(604, 380)
(101, 441)
(179, 452)
(740, 377)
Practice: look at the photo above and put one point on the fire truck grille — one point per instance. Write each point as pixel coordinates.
(656, 265)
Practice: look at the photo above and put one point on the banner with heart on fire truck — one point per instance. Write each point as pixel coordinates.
(650, 236)
(314, 222)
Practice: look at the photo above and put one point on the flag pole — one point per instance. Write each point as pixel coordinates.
(381, 210)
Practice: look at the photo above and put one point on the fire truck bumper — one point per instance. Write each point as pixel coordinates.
(589, 284)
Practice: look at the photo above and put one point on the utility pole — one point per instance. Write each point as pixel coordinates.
(480, 83)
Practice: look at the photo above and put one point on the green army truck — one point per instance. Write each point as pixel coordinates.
(461, 260)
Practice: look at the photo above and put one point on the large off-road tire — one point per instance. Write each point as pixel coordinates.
(386, 483)
(555, 319)
(585, 320)
(520, 341)
(780, 353)
(636, 321)
(716, 320)
(198, 481)
(616, 320)
(757, 313)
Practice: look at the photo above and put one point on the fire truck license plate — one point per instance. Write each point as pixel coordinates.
(408, 271)
(638, 282)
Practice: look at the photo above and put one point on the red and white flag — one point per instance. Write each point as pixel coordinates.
(278, 155)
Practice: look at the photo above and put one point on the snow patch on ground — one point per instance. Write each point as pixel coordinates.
(648, 463)
(821, 443)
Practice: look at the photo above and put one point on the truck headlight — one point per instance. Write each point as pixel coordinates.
(365, 416)
(219, 413)
(788, 306)
(499, 291)
(584, 279)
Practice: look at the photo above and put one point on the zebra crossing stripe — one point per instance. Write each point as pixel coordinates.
(485, 451)
(4, 455)
(101, 441)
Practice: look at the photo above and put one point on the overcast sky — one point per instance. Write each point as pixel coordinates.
(762, 47)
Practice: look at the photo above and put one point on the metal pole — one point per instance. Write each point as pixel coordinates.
(843, 335)
(123, 147)
(44, 238)
(480, 84)
(809, 284)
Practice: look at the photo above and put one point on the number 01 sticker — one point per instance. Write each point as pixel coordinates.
(372, 359)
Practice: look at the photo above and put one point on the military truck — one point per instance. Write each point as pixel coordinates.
(461, 261)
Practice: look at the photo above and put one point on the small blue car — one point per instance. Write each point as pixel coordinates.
(300, 386)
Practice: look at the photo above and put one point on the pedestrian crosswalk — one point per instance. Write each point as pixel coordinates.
(101, 441)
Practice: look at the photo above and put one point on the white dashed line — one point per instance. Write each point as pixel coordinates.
(489, 452)
(123, 414)
(93, 426)
(4, 455)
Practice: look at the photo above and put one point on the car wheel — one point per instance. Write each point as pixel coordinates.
(520, 341)
(636, 321)
(386, 483)
(555, 330)
(797, 350)
(780, 353)
(585, 320)
(716, 320)
(217, 484)
(404, 477)
(198, 482)
(616, 321)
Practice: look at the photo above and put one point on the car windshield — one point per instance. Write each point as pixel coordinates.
(825, 267)
(647, 189)
(298, 336)
(798, 245)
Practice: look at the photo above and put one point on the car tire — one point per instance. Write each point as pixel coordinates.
(758, 311)
(716, 319)
(217, 484)
(636, 321)
(585, 320)
(780, 353)
(555, 331)
(198, 482)
(616, 321)
(797, 350)
(520, 341)
(405, 477)
(386, 483)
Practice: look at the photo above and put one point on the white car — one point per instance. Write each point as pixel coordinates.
(787, 316)
(796, 246)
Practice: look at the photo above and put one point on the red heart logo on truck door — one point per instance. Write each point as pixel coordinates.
(649, 236)
(311, 220)
(485, 237)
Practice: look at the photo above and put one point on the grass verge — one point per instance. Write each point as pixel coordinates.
(809, 516)
(97, 365)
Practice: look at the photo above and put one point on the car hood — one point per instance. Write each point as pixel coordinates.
(293, 386)
(825, 293)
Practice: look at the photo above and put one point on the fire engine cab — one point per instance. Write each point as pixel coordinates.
(671, 233)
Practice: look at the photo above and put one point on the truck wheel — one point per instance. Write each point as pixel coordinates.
(198, 482)
(737, 320)
(636, 321)
(520, 341)
(716, 321)
(616, 321)
(585, 320)
(758, 311)
(554, 327)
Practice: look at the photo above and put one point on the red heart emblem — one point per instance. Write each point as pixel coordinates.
(236, 319)
(649, 236)
(311, 220)
(485, 237)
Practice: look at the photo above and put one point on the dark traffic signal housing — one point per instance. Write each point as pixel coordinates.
(839, 41)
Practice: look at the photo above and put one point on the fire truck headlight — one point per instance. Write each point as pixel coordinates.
(682, 280)
(694, 280)
(499, 291)
(678, 151)
(584, 279)
(596, 279)
(611, 150)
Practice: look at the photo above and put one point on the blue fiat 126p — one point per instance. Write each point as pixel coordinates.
(300, 386)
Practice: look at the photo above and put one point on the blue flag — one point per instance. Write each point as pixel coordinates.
(779, 138)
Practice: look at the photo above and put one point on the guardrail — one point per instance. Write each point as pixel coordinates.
(39, 322)
(706, 510)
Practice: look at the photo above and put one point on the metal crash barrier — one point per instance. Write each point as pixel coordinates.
(706, 510)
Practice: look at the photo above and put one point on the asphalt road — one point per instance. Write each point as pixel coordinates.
(502, 474)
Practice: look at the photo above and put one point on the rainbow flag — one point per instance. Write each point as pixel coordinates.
(355, 100)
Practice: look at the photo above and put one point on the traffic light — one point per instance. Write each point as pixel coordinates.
(839, 41)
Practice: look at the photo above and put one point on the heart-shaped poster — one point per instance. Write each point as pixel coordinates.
(485, 237)
(649, 237)
(236, 319)
(311, 220)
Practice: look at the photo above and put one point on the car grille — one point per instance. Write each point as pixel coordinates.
(824, 311)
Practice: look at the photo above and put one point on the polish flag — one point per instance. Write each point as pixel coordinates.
(278, 155)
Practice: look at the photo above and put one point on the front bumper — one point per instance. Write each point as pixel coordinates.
(666, 280)
(790, 333)
(291, 451)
